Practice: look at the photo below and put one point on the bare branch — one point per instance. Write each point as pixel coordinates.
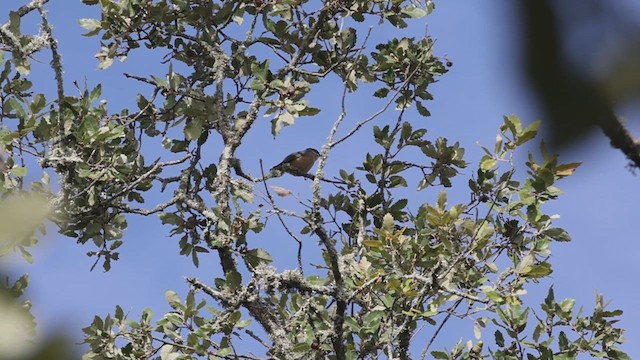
(56, 64)
(622, 139)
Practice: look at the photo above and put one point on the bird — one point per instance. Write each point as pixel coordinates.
(299, 162)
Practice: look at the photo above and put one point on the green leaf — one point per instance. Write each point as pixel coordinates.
(558, 234)
(421, 109)
(257, 256)
(173, 299)
(309, 111)
(93, 25)
(495, 297)
(439, 355)
(193, 129)
(372, 320)
(513, 123)
(171, 218)
(537, 332)
(563, 341)
(487, 163)
(567, 169)
(567, 305)
(234, 280)
(301, 347)
(257, 85)
(223, 14)
(414, 11)
(15, 105)
(260, 71)
(550, 299)
(37, 103)
(406, 131)
(533, 213)
(119, 313)
(19, 171)
(224, 352)
(14, 23)
(532, 128)
(618, 355)
(442, 200)
(381, 93)
(536, 271)
(499, 338)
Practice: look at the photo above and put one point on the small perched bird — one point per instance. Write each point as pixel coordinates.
(299, 162)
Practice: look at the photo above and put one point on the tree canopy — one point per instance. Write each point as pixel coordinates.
(376, 263)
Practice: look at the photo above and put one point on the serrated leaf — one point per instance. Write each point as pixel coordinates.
(381, 93)
(421, 109)
(533, 127)
(514, 124)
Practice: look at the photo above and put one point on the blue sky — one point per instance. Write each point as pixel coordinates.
(598, 208)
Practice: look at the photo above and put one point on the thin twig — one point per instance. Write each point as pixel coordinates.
(435, 334)
(273, 204)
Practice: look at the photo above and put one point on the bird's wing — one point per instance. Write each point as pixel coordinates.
(288, 159)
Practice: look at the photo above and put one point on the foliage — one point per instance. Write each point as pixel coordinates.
(21, 218)
(392, 264)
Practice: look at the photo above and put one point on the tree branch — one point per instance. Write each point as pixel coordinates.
(622, 139)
